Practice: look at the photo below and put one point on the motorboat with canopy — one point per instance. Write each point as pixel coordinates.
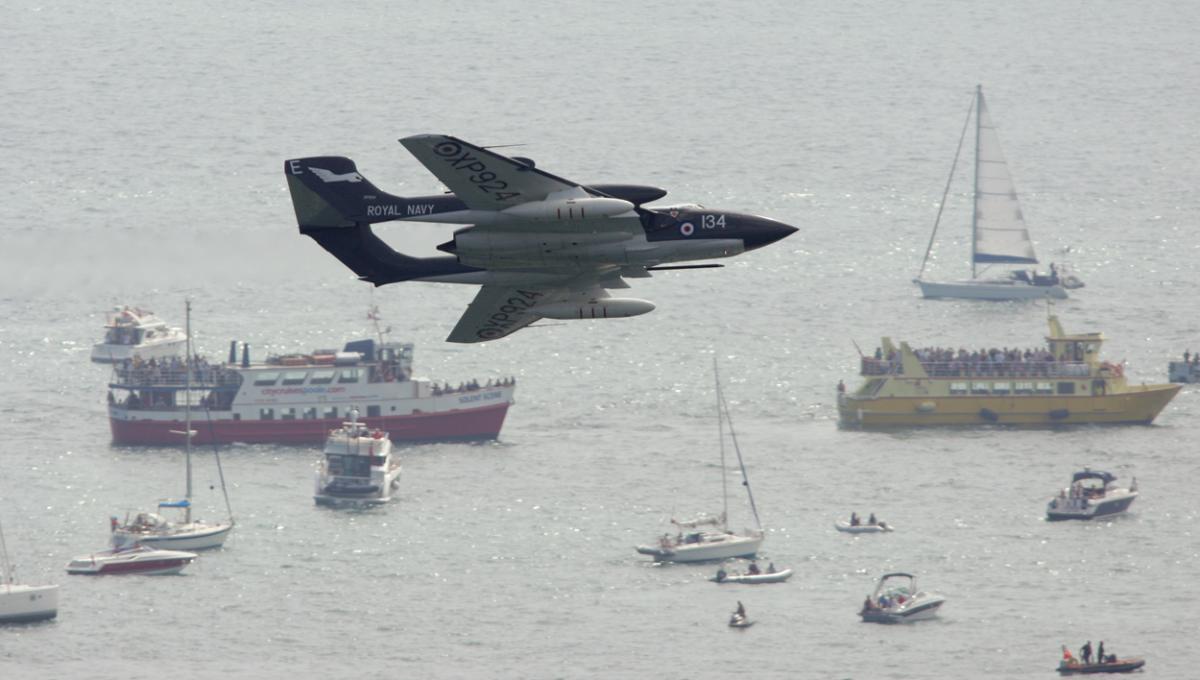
(1091, 495)
(694, 542)
(898, 600)
(359, 467)
(132, 332)
(998, 231)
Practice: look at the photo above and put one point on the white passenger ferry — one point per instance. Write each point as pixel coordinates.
(299, 398)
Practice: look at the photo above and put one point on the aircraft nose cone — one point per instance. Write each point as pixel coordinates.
(763, 232)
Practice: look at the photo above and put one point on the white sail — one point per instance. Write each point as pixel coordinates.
(999, 226)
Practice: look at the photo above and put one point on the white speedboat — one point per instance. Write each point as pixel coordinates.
(693, 544)
(998, 231)
(138, 559)
(1091, 495)
(752, 579)
(897, 600)
(21, 603)
(131, 332)
(185, 533)
(359, 467)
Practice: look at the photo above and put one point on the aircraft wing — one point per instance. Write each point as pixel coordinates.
(498, 310)
(482, 179)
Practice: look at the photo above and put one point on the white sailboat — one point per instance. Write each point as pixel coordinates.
(151, 528)
(695, 543)
(998, 231)
(21, 603)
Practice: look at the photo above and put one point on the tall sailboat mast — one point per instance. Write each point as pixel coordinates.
(7, 573)
(187, 409)
(946, 192)
(975, 203)
(721, 439)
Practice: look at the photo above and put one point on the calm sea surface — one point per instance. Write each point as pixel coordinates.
(142, 151)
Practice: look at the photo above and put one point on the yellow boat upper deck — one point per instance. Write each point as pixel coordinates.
(1065, 382)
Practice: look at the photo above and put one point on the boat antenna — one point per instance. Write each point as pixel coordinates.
(721, 440)
(7, 576)
(860, 352)
(946, 192)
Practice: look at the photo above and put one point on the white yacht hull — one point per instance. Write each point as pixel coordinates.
(918, 609)
(20, 603)
(104, 353)
(732, 546)
(1115, 502)
(990, 290)
(203, 537)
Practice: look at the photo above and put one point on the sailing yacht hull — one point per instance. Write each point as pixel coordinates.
(733, 546)
(22, 604)
(201, 538)
(990, 290)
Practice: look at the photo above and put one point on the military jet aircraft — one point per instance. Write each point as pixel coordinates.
(539, 245)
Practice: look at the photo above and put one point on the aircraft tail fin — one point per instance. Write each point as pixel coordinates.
(328, 191)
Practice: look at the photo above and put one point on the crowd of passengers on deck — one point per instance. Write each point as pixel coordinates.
(948, 362)
(471, 385)
(173, 371)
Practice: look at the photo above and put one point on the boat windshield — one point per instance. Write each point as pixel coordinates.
(348, 466)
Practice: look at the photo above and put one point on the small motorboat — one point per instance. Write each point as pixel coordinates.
(1072, 666)
(359, 468)
(138, 559)
(1091, 495)
(876, 528)
(131, 332)
(897, 600)
(751, 578)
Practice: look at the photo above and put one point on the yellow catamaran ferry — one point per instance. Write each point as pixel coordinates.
(1064, 383)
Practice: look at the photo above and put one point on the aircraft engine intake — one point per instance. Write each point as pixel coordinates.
(605, 308)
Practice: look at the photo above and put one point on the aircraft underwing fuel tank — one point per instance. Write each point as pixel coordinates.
(607, 308)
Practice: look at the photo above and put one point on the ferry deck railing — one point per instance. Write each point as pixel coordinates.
(982, 369)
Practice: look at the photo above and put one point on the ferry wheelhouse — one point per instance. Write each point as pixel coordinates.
(299, 398)
(130, 332)
(1066, 383)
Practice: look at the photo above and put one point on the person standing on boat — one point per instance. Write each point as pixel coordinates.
(1100, 652)
(741, 611)
(1085, 652)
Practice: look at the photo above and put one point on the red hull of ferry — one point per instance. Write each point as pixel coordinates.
(458, 425)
